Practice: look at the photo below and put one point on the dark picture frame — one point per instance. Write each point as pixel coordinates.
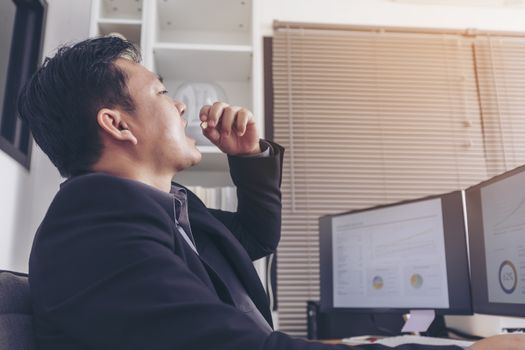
(25, 56)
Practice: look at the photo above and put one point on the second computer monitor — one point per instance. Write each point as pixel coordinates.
(496, 223)
(396, 258)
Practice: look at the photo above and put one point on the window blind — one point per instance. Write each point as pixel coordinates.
(368, 117)
(500, 68)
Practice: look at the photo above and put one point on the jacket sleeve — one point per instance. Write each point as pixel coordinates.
(257, 222)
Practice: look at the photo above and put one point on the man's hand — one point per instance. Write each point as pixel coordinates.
(501, 342)
(230, 128)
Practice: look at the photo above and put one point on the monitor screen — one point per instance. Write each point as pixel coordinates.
(398, 257)
(496, 222)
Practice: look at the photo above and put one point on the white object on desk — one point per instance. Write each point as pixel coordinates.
(419, 321)
(405, 339)
(416, 339)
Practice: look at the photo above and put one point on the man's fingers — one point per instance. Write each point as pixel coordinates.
(203, 114)
(212, 134)
(243, 117)
(220, 118)
(228, 119)
(215, 113)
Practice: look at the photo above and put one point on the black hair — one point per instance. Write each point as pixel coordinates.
(61, 100)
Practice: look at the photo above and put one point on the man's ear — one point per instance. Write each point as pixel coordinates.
(111, 122)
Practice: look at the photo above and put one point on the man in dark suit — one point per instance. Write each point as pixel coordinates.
(126, 259)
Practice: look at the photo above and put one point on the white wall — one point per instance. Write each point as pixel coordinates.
(7, 19)
(11, 176)
(25, 196)
(390, 13)
(9, 170)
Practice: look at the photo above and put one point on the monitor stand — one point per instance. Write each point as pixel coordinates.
(418, 321)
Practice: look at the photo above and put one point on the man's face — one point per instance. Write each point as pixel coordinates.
(157, 122)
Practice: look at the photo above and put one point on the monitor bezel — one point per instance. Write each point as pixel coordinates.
(456, 260)
(480, 300)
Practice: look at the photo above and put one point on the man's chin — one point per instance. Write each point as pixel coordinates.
(190, 162)
(196, 157)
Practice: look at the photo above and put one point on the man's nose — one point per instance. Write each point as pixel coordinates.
(181, 107)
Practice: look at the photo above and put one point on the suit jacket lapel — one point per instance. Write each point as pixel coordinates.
(203, 223)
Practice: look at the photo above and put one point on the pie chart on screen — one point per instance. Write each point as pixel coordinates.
(416, 281)
(378, 283)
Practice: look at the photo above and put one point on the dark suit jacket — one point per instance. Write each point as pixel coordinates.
(109, 270)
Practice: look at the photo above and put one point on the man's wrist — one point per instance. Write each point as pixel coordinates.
(264, 150)
(256, 150)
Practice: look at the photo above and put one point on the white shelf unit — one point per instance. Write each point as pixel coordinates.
(194, 42)
(204, 62)
(223, 22)
(120, 9)
(118, 16)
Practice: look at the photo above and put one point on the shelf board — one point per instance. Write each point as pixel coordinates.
(209, 149)
(120, 21)
(203, 36)
(202, 47)
(195, 62)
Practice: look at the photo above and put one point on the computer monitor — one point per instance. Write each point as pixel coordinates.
(396, 258)
(496, 226)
